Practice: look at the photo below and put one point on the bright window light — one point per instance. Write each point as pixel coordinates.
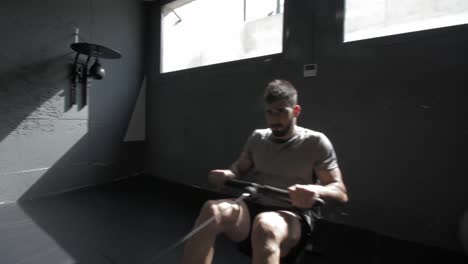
(196, 33)
(366, 19)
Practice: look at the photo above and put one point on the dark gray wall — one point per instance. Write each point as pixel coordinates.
(44, 147)
(393, 107)
(398, 123)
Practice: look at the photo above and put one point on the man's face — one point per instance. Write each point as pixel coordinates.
(280, 117)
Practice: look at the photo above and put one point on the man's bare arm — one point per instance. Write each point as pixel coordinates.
(333, 186)
(241, 166)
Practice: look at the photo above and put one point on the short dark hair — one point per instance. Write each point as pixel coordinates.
(279, 89)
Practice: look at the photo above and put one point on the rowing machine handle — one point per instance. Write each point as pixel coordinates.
(239, 184)
(264, 189)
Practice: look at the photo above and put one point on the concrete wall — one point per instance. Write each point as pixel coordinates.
(393, 107)
(44, 147)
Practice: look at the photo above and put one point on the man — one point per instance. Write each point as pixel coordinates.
(284, 156)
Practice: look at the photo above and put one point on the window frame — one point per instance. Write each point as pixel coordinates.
(393, 39)
(407, 36)
(221, 65)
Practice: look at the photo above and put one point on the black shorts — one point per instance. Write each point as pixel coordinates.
(307, 218)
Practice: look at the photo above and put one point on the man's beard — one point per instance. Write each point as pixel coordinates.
(282, 132)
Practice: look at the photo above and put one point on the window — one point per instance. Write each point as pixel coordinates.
(202, 32)
(375, 18)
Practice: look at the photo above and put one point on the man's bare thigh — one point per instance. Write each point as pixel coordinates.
(293, 231)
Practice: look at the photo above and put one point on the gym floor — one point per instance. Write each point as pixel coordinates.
(132, 220)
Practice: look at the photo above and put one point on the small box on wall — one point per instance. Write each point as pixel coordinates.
(310, 70)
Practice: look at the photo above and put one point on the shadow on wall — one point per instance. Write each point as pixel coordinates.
(46, 149)
(32, 95)
(92, 160)
(37, 130)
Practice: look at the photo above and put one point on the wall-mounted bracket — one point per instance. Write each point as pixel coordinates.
(81, 73)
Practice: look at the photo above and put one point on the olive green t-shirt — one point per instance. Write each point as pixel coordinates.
(283, 164)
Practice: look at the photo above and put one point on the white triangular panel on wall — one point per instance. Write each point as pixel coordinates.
(136, 130)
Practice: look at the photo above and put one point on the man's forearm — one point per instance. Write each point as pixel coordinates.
(235, 171)
(333, 191)
(242, 165)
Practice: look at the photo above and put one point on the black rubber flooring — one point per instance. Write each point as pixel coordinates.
(132, 220)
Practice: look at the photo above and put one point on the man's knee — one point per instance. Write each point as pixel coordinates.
(224, 212)
(209, 208)
(266, 225)
(273, 231)
(267, 231)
